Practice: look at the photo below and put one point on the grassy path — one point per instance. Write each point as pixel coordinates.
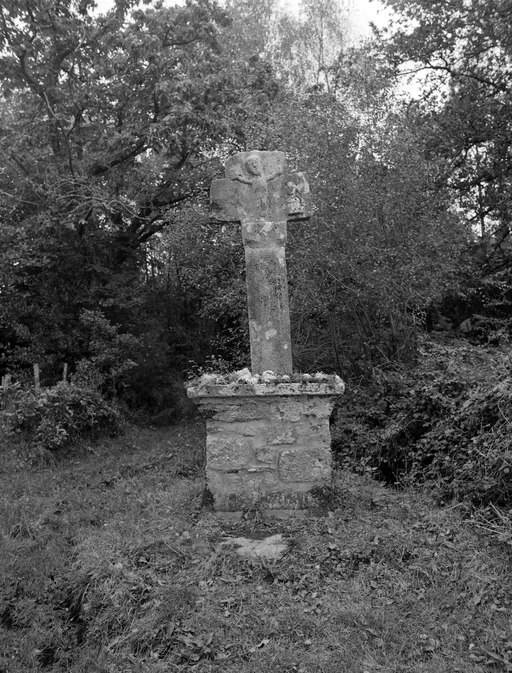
(108, 564)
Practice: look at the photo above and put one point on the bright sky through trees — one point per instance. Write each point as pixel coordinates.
(364, 12)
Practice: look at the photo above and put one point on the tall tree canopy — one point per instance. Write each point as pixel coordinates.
(463, 51)
(109, 120)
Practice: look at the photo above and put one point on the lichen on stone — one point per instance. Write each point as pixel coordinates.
(243, 381)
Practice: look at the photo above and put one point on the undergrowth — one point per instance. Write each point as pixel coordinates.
(448, 422)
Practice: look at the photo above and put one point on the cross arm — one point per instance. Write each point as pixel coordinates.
(224, 201)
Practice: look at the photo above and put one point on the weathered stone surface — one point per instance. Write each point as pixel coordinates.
(246, 410)
(240, 489)
(267, 454)
(313, 432)
(267, 303)
(281, 434)
(298, 497)
(235, 492)
(282, 499)
(271, 461)
(264, 233)
(297, 409)
(262, 449)
(331, 385)
(227, 452)
(305, 465)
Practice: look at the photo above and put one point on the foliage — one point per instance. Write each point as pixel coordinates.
(113, 125)
(468, 449)
(303, 47)
(116, 374)
(53, 419)
(113, 139)
(482, 306)
(447, 422)
(107, 363)
(311, 42)
(138, 372)
(205, 266)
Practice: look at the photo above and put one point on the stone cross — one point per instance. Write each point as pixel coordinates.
(259, 193)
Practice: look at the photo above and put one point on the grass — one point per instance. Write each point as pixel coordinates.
(109, 564)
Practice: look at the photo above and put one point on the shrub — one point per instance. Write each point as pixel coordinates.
(52, 419)
(109, 360)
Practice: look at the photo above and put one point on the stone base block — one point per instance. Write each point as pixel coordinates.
(267, 451)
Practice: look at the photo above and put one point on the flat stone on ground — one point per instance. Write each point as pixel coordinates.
(272, 547)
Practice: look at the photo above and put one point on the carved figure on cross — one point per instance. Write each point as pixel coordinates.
(258, 180)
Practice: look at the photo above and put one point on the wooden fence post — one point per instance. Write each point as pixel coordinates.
(6, 382)
(36, 377)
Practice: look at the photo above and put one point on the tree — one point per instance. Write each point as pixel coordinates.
(109, 124)
(463, 52)
(121, 113)
(463, 49)
(322, 35)
(302, 48)
(253, 27)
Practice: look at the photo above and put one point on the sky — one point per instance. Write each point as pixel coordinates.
(367, 11)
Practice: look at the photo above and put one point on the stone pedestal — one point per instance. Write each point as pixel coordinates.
(268, 444)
